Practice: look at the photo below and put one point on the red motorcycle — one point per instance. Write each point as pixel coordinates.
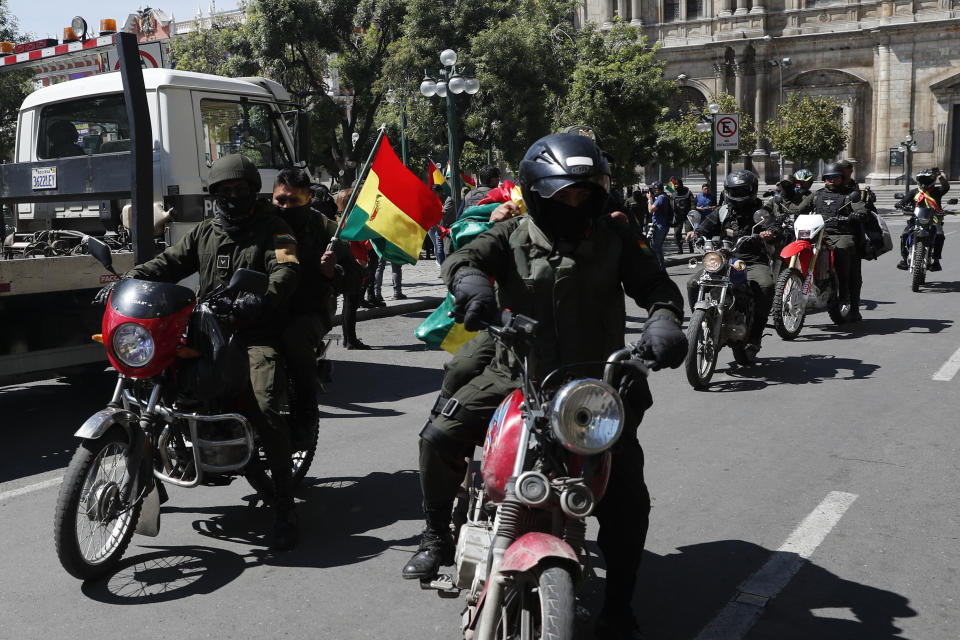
(175, 416)
(545, 465)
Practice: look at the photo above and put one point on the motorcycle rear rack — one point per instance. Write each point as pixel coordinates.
(443, 584)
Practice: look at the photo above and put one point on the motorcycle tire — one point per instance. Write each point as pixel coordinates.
(919, 271)
(90, 496)
(702, 353)
(787, 318)
(543, 601)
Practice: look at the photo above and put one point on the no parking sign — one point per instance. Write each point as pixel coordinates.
(726, 132)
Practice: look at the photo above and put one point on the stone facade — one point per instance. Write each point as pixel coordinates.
(894, 65)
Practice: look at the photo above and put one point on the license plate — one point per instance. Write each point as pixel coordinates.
(44, 178)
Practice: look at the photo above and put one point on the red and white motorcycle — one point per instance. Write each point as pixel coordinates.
(545, 465)
(809, 280)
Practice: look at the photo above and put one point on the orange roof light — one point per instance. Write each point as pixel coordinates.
(6, 47)
(108, 26)
(69, 35)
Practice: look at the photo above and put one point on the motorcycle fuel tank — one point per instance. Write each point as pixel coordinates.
(500, 446)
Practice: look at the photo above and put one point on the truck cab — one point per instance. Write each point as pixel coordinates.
(46, 281)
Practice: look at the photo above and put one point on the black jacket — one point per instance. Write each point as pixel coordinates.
(735, 224)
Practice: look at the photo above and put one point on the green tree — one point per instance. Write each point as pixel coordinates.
(617, 87)
(689, 147)
(222, 49)
(807, 129)
(14, 85)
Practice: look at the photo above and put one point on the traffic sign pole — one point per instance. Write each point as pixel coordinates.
(713, 158)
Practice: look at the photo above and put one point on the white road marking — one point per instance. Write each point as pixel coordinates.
(13, 493)
(949, 368)
(742, 612)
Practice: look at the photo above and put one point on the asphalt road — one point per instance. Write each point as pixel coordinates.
(838, 446)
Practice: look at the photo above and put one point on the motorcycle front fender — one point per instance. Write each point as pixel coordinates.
(100, 422)
(703, 304)
(794, 248)
(531, 549)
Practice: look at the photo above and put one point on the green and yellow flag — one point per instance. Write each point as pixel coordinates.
(393, 209)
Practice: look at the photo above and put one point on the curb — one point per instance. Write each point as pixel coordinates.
(422, 304)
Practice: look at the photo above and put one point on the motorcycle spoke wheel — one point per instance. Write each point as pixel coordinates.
(701, 349)
(788, 310)
(539, 605)
(94, 523)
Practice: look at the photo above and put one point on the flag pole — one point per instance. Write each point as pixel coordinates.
(359, 183)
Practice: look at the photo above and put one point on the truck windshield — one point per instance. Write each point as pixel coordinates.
(90, 125)
(242, 127)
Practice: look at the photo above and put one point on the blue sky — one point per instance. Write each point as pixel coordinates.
(48, 18)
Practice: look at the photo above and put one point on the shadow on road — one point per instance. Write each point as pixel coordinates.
(356, 385)
(336, 516)
(805, 369)
(941, 287)
(679, 593)
(875, 326)
(39, 419)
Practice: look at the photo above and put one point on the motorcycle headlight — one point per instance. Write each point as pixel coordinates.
(712, 262)
(803, 234)
(133, 345)
(587, 416)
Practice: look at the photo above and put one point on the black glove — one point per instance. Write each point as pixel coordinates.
(857, 216)
(474, 301)
(247, 310)
(103, 295)
(664, 342)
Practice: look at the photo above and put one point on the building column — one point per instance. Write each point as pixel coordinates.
(607, 14)
(726, 8)
(759, 115)
(741, 8)
(636, 13)
(738, 69)
(881, 107)
(683, 10)
(720, 77)
(622, 7)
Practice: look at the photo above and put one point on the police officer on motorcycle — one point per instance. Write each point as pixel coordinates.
(733, 220)
(563, 264)
(804, 181)
(246, 233)
(842, 212)
(927, 194)
(790, 202)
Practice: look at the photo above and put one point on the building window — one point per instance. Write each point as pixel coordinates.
(671, 10)
(694, 9)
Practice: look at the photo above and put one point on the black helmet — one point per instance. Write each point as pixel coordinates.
(926, 178)
(234, 167)
(832, 170)
(740, 185)
(788, 182)
(656, 186)
(557, 161)
(678, 183)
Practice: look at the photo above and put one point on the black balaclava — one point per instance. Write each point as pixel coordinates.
(561, 221)
(235, 213)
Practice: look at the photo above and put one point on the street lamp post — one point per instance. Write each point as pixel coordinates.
(780, 64)
(394, 96)
(711, 123)
(908, 147)
(450, 82)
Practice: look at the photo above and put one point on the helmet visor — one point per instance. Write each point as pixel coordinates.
(739, 192)
(548, 187)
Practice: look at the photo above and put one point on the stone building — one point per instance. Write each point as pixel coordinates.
(894, 65)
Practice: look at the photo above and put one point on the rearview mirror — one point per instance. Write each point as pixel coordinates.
(99, 250)
(855, 196)
(249, 281)
(952, 201)
(898, 196)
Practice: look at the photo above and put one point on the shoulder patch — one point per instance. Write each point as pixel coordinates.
(284, 238)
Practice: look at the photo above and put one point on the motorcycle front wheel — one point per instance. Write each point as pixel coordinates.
(919, 263)
(539, 605)
(701, 349)
(94, 521)
(788, 312)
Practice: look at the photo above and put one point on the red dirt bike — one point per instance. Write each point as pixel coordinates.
(159, 425)
(545, 465)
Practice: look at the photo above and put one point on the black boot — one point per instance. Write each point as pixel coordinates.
(902, 265)
(436, 549)
(398, 295)
(617, 624)
(286, 533)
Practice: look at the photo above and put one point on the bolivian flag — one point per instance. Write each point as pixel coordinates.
(394, 208)
(434, 177)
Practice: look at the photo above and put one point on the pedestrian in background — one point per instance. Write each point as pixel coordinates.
(352, 294)
(658, 206)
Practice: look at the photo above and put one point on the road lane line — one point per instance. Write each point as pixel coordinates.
(13, 493)
(949, 368)
(742, 612)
